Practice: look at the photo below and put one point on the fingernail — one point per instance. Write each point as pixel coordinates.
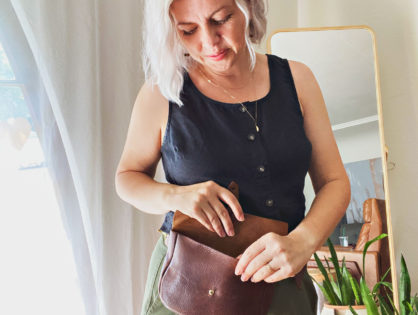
(237, 272)
(231, 233)
(243, 278)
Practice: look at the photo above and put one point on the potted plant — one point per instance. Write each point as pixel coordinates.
(408, 305)
(346, 295)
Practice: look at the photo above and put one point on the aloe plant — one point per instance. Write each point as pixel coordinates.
(346, 290)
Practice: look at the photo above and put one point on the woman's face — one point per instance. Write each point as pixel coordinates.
(212, 31)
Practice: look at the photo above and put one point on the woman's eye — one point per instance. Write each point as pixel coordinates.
(189, 32)
(219, 22)
(215, 22)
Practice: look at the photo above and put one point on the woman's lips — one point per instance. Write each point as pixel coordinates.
(219, 56)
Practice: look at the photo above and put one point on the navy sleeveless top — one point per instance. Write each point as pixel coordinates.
(210, 140)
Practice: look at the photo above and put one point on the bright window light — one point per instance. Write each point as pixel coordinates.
(37, 270)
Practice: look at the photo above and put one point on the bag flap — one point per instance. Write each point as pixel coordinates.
(246, 232)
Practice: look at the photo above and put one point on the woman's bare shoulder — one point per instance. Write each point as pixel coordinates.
(304, 80)
(299, 68)
(151, 92)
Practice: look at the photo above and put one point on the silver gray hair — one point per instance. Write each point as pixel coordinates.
(163, 56)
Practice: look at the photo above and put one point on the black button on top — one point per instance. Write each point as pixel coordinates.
(261, 168)
(251, 137)
(269, 202)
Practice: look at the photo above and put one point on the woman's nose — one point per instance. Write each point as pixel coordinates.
(210, 38)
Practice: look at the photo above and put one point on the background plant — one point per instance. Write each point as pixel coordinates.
(346, 290)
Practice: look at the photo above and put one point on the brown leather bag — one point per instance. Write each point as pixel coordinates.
(198, 271)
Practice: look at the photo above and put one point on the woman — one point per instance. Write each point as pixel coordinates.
(216, 111)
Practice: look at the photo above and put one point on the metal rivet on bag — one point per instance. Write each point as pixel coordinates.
(211, 292)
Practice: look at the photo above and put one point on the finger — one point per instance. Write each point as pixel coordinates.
(204, 220)
(264, 272)
(223, 215)
(255, 264)
(213, 219)
(229, 198)
(239, 256)
(253, 250)
(279, 275)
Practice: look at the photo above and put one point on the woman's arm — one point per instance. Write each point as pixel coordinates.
(137, 166)
(288, 254)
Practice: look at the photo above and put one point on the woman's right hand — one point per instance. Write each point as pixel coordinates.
(202, 201)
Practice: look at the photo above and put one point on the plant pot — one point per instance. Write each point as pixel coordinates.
(343, 309)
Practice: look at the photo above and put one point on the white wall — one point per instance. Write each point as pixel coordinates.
(396, 27)
(281, 14)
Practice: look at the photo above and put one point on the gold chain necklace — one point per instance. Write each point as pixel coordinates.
(234, 98)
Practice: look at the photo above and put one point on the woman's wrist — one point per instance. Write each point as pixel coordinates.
(309, 239)
(169, 196)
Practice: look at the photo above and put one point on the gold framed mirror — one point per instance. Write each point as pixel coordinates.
(345, 63)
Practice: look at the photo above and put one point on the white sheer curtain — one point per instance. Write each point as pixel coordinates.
(88, 56)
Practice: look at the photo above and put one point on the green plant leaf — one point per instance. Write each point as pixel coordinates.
(392, 304)
(348, 295)
(383, 235)
(409, 306)
(380, 284)
(415, 303)
(404, 288)
(337, 291)
(334, 260)
(385, 275)
(325, 292)
(333, 299)
(321, 267)
(352, 310)
(326, 261)
(368, 298)
(384, 307)
(356, 289)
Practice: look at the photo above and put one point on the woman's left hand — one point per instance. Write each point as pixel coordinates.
(273, 258)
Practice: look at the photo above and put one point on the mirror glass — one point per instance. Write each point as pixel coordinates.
(344, 64)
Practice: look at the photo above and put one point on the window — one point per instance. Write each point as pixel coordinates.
(37, 270)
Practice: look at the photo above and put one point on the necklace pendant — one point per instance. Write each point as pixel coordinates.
(256, 128)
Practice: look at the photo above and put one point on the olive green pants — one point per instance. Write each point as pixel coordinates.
(288, 298)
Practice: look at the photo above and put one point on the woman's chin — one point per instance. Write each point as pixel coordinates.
(220, 65)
